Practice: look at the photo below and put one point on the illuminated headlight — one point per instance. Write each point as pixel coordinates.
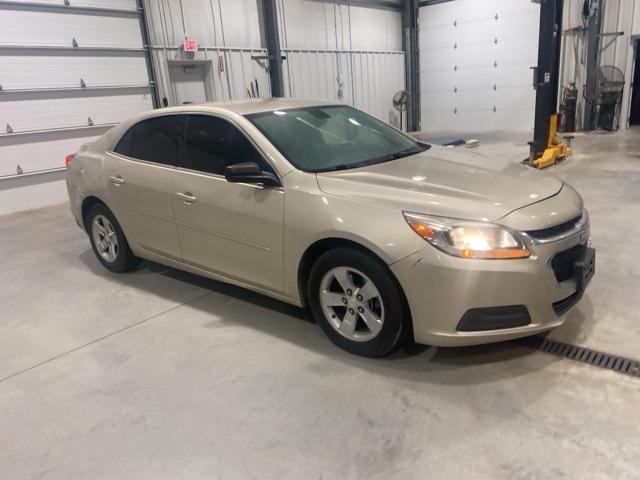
(468, 239)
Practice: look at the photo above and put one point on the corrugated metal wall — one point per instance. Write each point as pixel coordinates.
(475, 59)
(366, 79)
(343, 53)
(228, 36)
(67, 75)
(617, 16)
(336, 52)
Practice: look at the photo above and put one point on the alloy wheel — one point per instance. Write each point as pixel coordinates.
(105, 238)
(351, 303)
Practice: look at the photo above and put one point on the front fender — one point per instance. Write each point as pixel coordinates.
(311, 216)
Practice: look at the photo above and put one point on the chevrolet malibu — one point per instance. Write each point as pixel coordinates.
(318, 204)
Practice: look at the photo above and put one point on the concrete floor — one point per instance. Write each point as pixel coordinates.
(163, 375)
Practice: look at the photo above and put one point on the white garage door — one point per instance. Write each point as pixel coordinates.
(67, 74)
(475, 59)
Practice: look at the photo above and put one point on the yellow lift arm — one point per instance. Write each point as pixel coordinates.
(556, 150)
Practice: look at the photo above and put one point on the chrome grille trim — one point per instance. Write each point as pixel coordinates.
(577, 226)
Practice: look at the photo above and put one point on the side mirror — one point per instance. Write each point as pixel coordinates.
(250, 172)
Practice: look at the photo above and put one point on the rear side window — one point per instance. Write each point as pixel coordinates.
(155, 140)
(212, 144)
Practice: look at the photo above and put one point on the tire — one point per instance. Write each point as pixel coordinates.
(108, 241)
(377, 322)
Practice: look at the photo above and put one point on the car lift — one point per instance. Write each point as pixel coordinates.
(547, 147)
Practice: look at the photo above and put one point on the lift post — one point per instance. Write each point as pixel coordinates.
(547, 146)
(272, 38)
(410, 45)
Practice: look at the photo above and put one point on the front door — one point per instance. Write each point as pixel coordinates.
(232, 229)
(140, 183)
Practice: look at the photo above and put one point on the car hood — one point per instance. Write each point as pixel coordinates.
(445, 183)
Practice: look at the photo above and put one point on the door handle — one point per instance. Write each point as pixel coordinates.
(187, 198)
(117, 180)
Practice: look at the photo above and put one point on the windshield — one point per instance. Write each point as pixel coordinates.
(336, 137)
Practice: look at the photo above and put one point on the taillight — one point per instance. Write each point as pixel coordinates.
(68, 160)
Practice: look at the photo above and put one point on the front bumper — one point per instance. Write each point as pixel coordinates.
(442, 289)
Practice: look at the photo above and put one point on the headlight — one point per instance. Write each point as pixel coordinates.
(468, 239)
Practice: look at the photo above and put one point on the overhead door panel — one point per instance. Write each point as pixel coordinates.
(105, 4)
(39, 152)
(67, 74)
(44, 69)
(35, 113)
(55, 27)
(475, 59)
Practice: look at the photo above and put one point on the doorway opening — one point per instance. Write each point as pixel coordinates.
(191, 81)
(634, 117)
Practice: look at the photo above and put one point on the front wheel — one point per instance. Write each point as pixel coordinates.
(108, 241)
(357, 302)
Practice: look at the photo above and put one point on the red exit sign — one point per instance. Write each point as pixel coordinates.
(190, 45)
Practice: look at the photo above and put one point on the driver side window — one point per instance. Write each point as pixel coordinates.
(212, 144)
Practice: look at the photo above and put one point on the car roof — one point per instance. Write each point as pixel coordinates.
(252, 105)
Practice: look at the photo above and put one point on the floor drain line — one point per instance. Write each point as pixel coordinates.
(607, 361)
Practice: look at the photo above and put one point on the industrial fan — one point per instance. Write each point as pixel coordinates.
(400, 101)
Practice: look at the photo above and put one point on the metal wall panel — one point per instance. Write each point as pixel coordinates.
(616, 47)
(377, 77)
(370, 74)
(228, 36)
(318, 74)
(222, 23)
(364, 79)
(573, 52)
(475, 58)
(343, 53)
(230, 70)
(617, 16)
(243, 70)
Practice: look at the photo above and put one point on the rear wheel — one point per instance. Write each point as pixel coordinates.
(357, 303)
(108, 241)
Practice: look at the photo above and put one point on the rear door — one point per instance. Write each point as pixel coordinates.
(140, 183)
(234, 229)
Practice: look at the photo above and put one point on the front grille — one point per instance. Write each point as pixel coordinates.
(554, 231)
(563, 263)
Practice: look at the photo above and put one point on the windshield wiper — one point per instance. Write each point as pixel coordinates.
(401, 154)
(373, 161)
(363, 163)
(344, 166)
